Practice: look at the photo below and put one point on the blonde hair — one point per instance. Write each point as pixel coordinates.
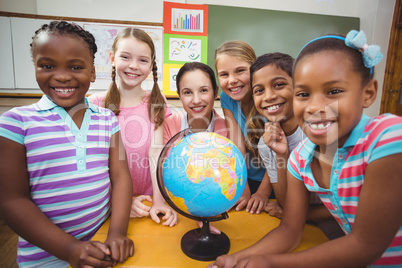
(236, 48)
(156, 103)
(243, 51)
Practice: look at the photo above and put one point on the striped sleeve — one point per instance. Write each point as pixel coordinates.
(293, 164)
(115, 124)
(12, 126)
(385, 137)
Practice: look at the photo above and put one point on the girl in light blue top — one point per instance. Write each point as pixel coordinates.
(232, 62)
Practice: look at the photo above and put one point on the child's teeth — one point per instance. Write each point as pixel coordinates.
(235, 89)
(64, 90)
(197, 108)
(274, 107)
(320, 125)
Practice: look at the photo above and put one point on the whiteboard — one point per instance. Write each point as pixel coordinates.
(6, 55)
(22, 30)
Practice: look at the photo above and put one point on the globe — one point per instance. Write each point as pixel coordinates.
(202, 175)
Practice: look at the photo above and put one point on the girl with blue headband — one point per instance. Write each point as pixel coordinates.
(352, 162)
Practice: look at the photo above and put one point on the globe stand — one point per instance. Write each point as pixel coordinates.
(200, 244)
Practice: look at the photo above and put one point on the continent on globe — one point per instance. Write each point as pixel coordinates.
(204, 174)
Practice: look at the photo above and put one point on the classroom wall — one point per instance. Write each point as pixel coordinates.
(375, 15)
(375, 20)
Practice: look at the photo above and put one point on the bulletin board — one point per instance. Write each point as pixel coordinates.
(185, 40)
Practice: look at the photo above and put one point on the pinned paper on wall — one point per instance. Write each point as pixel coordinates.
(105, 34)
(185, 20)
(188, 19)
(185, 39)
(169, 81)
(184, 49)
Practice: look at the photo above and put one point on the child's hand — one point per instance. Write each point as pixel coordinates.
(257, 203)
(89, 253)
(224, 261)
(274, 209)
(169, 218)
(212, 228)
(138, 208)
(120, 247)
(274, 137)
(243, 200)
(259, 261)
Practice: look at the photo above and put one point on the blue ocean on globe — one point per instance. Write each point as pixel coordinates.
(204, 174)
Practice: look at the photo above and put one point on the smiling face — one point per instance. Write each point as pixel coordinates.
(197, 95)
(133, 62)
(234, 77)
(273, 93)
(329, 97)
(63, 67)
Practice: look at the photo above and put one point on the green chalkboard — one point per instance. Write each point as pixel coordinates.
(270, 31)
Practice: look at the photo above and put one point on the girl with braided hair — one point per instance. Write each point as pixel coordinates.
(61, 174)
(141, 115)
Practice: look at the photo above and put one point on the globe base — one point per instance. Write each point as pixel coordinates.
(200, 244)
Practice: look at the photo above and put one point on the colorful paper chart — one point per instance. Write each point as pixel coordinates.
(179, 49)
(185, 39)
(185, 19)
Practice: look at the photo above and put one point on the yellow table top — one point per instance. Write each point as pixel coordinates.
(159, 246)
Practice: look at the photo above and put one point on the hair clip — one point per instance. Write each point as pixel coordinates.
(371, 53)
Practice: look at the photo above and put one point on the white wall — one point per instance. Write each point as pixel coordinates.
(375, 15)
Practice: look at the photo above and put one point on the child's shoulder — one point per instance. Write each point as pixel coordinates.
(381, 124)
(384, 120)
(173, 119)
(382, 136)
(21, 111)
(98, 98)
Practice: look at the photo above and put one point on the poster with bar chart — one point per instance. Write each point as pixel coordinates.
(185, 19)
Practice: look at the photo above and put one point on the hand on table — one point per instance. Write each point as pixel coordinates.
(169, 218)
(138, 208)
(259, 261)
(212, 228)
(89, 254)
(274, 209)
(229, 261)
(257, 203)
(224, 261)
(243, 200)
(120, 246)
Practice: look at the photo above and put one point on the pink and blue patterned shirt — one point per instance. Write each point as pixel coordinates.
(372, 138)
(67, 167)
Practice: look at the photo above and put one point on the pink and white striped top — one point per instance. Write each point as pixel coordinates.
(372, 138)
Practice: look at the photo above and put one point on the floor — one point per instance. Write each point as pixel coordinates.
(8, 246)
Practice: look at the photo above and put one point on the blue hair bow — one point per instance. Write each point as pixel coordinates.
(371, 53)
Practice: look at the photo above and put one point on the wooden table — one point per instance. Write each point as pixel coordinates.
(159, 246)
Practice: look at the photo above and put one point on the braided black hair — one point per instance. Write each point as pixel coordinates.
(64, 27)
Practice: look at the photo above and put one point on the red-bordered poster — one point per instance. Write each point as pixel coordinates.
(185, 19)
